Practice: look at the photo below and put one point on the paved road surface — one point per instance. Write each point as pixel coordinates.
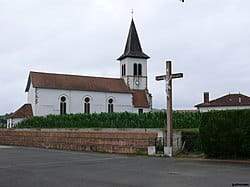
(30, 167)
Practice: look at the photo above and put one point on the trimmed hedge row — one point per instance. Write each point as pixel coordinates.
(191, 137)
(2, 126)
(113, 120)
(226, 134)
(3, 121)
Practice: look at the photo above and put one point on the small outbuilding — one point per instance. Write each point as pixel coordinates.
(18, 116)
(227, 102)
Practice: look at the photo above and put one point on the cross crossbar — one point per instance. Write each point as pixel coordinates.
(160, 78)
(177, 75)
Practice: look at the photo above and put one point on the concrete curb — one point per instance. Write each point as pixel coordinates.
(216, 160)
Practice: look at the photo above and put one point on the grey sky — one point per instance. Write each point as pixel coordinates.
(208, 40)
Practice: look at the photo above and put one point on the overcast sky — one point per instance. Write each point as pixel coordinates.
(208, 40)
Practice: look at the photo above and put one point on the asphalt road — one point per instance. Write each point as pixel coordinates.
(30, 167)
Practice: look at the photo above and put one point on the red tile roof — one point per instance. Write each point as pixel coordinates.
(76, 82)
(140, 99)
(228, 100)
(23, 112)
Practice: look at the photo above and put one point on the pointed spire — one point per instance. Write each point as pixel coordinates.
(133, 46)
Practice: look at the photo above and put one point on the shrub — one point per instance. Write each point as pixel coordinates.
(113, 120)
(2, 119)
(226, 134)
(2, 126)
(192, 140)
(182, 120)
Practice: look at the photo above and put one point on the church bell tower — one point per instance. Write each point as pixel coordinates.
(133, 62)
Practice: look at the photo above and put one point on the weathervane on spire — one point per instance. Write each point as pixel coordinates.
(132, 12)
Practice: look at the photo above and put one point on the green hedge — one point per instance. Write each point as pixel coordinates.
(192, 140)
(3, 120)
(113, 120)
(182, 120)
(226, 134)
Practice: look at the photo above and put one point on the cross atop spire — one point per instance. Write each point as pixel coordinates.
(132, 13)
(133, 46)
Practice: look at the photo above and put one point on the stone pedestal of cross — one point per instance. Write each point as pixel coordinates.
(168, 150)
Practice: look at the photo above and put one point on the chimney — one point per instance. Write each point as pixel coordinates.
(206, 97)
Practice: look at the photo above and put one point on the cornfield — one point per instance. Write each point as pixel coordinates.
(113, 120)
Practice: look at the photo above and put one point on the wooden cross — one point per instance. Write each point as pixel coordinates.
(169, 126)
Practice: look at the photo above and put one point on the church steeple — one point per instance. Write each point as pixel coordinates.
(133, 47)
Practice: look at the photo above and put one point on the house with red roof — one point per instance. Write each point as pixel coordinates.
(226, 102)
(59, 94)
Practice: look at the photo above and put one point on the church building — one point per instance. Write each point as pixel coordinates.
(59, 94)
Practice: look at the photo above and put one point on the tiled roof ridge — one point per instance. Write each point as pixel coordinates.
(76, 82)
(230, 94)
(66, 74)
(215, 102)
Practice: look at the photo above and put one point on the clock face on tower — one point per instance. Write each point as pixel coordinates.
(137, 82)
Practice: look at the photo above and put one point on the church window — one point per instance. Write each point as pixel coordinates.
(123, 69)
(139, 69)
(135, 69)
(110, 106)
(87, 105)
(63, 105)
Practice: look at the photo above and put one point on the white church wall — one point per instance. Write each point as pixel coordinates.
(31, 98)
(49, 101)
(142, 83)
(207, 109)
(130, 78)
(130, 65)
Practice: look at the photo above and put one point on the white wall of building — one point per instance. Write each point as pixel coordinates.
(13, 122)
(31, 97)
(207, 109)
(145, 110)
(48, 101)
(129, 78)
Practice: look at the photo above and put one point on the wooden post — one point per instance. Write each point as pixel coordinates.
(168, 129)
(169, 108)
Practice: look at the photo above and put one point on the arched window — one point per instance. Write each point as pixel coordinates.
(124, 71)
(139, 69)
(63, 105)
(87, 105)
(135, 69)
(110, 105)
